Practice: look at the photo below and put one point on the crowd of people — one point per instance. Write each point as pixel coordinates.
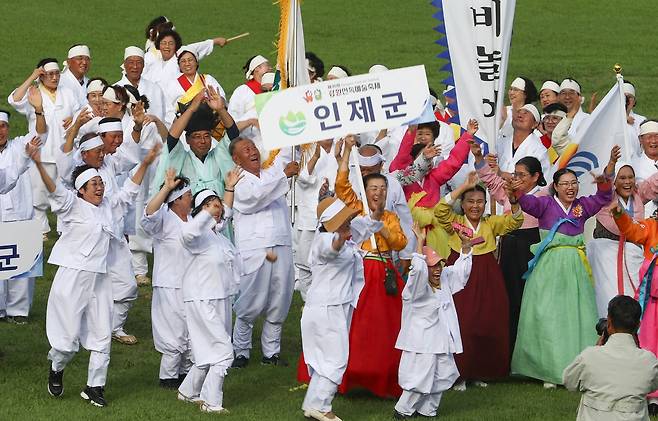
(410, 264)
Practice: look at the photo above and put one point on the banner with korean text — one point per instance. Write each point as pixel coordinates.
(338, 107)
(477, 35)
(21, 249)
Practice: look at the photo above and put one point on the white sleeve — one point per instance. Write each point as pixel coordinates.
(193, 231)
(417, 278)
(153, 224)
(22, 105)
(202, 48)
(255, 194)
(457, 275)
(61, 200)
(363, 227)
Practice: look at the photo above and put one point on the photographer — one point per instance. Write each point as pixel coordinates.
(615, 377)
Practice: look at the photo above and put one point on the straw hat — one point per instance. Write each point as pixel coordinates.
(332, 213)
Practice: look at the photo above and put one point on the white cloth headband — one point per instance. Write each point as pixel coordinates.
(557, 113)
(131, 98)
(110, 126)
(133, 51)
(110, 95)
(178, 193)
(309, 66)
(255, 62)
(621, 164)
(95, 86)
(369, 161)
(377, 68)
(532, 110)
(628, 89)
(4, 116)
(85, 176)
(203, 195)
(550, 85)
(267, 78)
(90, 144)
(331, 211)
(184, 50)
(518, 83)
(648, 127)
(337, 72)
(79, 50)
(50, 66)
(570, 84)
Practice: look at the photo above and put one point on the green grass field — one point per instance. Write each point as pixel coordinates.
(551, 40)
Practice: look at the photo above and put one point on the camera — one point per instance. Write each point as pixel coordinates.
(602, 329)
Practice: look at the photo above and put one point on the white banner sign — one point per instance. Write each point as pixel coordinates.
(21, 246)
(478, 39)
(338, 107)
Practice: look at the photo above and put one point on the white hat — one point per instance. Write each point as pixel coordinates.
(621, 164)
(550, 85)
(570, 84)
(255, 62)
(85, 176)
(377, 68)
(628, 88)
(4, 116)
(267, 78)
(110, 126)
(79, 50)
(518, 83)
(532, 110)
(133, 51)
(111, 95)
(203, 195)
(184, 50)
(95, 85)
(648, 126)
(337, 72)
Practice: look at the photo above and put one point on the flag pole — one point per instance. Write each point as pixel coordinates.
(620, 81)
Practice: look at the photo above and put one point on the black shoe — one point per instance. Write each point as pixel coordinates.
(95, 395)
(170, 383)
(17, 320)
(240, 362)
(653, 409)
(399, 416)
(274, 360)
(55, 383)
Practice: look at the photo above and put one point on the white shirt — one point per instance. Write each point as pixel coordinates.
(429, 319)
(242, 107)
(10, 175)
(170, 260)
(307, 187)
(214, 268)
(153, 92)
(173, 92)
(69, 81)
(16, 203)
(159, 71)
(88, 229)
(337, 276)
(66, 105)
(531, 146)
(262, 217)
(578, 119)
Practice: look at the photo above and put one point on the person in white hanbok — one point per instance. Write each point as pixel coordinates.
(572, 98)
(429, 335)
(133, 68)
(86, 120)
(76, 67)
(207, 285)
(16, 205)
(337, 269)
(263, 234)
(646, 164)
(79, 308)
(59, 106)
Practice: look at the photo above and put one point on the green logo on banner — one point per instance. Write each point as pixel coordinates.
(292, 124)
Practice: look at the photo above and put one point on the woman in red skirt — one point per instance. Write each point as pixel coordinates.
(482, 307)
(373, 360)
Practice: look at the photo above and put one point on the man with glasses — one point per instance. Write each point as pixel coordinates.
(74, 76)
(571, 97)
(646, 164)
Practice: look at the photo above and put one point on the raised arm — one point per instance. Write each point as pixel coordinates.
(442, 173)
(232, 178)
(344, 190)
(179, 125)
(403, 158)
(634, 231)
(20, 92)
(148, 160)
(216, 102)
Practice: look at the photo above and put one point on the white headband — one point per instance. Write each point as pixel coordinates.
(532, 110)
(557, 113)
(4, 116)
(570, 84)
(85, 176)
(255, 62)
(50, 66)
(131, 98)
(133, 51)
(178, 193)
(377, 68)
(110, 126)
(95, 86)
(648, 127)
(331, 211)
(203, 195)
(550, 85)
(79, 50)
(309, 66)
(628, 89)
(110, 95)
(621, 164)
(184, 50)
(267, 78)
(337, 72)
(369, 161)
(518, 83)
(90, 144)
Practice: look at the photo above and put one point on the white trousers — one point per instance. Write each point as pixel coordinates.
(212, 350)
(424, 378)
(140, 262)
(16, 296)
(303, 241)
(170, 335)
(602, 256)
(79, 312)
(268, 289)
(40, 194)
(122, 278)
(320, 394)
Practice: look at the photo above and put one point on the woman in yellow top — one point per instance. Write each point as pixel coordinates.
(373, 360)
(482, 307)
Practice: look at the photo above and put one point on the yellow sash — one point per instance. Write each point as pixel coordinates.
(192, 91)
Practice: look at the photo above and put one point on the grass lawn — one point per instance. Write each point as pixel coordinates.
(551, 40)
